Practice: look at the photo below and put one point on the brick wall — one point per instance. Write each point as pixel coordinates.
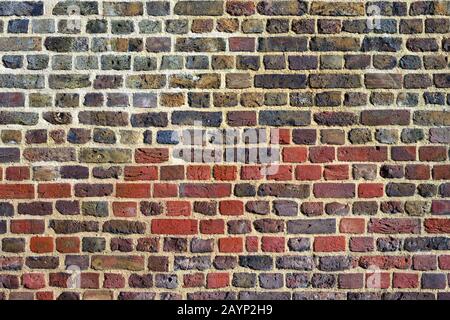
(224, 149)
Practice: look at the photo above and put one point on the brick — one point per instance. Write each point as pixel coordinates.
(174, 226)
(282, 44)
(405, 280)
(311, 226)
(41, 244)
(231, 207)
(133, 263)
(205, 190)
(21, 81)
(352, 225)
(283, 118)
(343, 44)
(351, 281)
(395, 225)
(272, 81)
(323, 8)
(334, 190)
(16, 191)
(27, 226)
(360, 154)
(151, 155)
(38, 208)
(51, 190)
(370, 190)
(334, 81)
(329, 244)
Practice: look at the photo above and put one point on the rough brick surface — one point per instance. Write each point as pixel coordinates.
(224, 149)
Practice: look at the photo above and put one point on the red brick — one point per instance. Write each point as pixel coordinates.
(231, 245)
(68, 244)
(205, 190)
(124, 209)
(440, 206)
(44, 295)
(370, 190)
(329, 244)
(17, 173)
(26, 226)
(424, 262)
(444, 262)
(240, 8)
(42, 244)
(394, 225)
(407, 153)
(295, 154)
(386, 262)
(178, 208)
(138, 173)
(280, 173)
(113, 280)
(437, 225)
(217, 280)
(441, 172)
(351, 281)
(133, 190)
(90, 280)
(172, 172)
(361, 244)
(417, 172)
(54, 190)
(16, 191)
(212, 226)
(352, 225)
(322, 154)
(174, 226)
(433, 153)
(377, 280)
(280, 136)
(336, 172)
(334, 190)
(231, 207)
(359, 154)
(33, 281)
(251, 173)
(151, 155)
(194, 280)
(242, 44)
(405, 280)
(59, 279)
(251, 244)
(225, 173)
